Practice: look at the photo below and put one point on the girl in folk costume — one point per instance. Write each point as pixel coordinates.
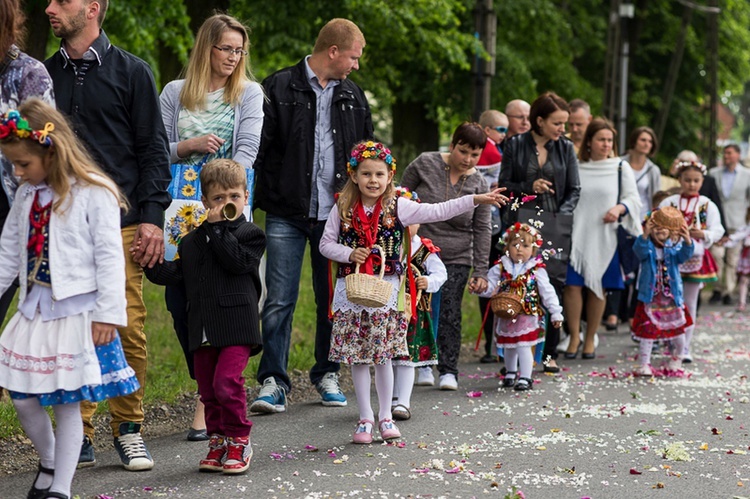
(661, 312)
(366, 227)
(62, 240)
(742, 236)
(420, 336)
(704, 222)
(520, 272)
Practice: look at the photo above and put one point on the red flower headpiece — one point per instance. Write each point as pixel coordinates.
(11, 123)
(517, 228)
(370, 150)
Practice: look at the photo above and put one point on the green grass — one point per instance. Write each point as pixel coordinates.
(167, 376)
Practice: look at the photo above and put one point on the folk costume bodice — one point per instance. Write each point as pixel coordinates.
(524, 284)
(371, 226)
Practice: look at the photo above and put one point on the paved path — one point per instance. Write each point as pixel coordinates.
(591, 431)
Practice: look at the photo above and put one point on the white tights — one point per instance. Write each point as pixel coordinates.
(403, 383)
(57, 450)
(383, 386)
(644, 354)
(520, 360)
(690, 291)
(742, 286)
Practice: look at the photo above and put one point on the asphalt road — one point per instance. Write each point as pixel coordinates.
(591, 431)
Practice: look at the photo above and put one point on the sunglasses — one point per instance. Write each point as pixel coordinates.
(501, 129)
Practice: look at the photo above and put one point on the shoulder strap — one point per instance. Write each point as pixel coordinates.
(619, 181)
(10, 56)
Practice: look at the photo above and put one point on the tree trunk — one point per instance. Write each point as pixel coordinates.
(37, 29)
(413, 132)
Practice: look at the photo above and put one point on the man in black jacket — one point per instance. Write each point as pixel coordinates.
(111, 99)
(312, 118)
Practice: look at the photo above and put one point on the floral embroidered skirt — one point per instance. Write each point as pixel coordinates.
(703, 270)
(421, 341)
(57, 362)
(370, 336)
(660, 320)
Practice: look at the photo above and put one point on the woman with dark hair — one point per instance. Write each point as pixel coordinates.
(606, 181)
(216, 111)
(542, 162)
(464, 241)
(642, 145)
(21, 77)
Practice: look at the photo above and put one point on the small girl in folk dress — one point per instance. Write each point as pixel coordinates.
(661, 313)
(420, 336)
(521, 271)
(704, 222)
(742, 236)
(62, 240)
(367, 213)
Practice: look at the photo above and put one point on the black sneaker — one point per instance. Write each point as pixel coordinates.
(132, 450)
(488, 359)
(87, 458)
(727, 300)
(715, 298)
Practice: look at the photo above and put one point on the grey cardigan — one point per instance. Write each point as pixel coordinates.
(248, 121)
(464, 239)
(654, 178)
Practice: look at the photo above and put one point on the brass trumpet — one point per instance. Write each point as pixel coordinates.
(230, 212)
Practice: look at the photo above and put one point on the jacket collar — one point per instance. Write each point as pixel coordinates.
(96, 51)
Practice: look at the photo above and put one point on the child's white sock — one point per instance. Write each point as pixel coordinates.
(361, 380)
(38, 427)
(511, 360)
(68, 437)
(644, 352)
(384, 387)
(525, 362)
(742, 285)
(402, 384)
(691, 290)
(678, 346)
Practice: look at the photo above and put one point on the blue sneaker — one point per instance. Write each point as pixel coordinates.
(330, 391)
(271, 399)
(132, 450)
(87, 458)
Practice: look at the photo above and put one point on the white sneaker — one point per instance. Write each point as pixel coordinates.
(448, 382)
(425, 376)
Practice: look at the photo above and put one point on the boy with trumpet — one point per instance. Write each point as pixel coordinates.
(218, 265)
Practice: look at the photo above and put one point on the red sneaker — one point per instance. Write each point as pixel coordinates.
(217, 450)
(239, 453)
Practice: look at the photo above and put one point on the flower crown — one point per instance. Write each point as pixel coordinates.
(370, 150)
(518, 227)
(404, 192)
(682, 165)
(11, 123)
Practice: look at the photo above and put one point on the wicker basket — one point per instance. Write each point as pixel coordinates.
(668, 217)
(506, 305)
(407, 296)
(368, 290)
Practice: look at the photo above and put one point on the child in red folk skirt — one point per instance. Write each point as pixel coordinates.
(520, 275)
(661, 312)
(704, 222)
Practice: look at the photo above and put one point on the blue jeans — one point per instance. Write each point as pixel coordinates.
(286, 239)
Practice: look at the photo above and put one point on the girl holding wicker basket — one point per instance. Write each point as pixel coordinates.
(520, 287)
(365, 237)
(661, 312)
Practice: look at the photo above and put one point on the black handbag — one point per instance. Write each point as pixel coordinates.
(556, 233)
(625, 240)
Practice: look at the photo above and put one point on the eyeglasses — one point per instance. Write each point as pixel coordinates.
(519, 117)
(501, 129)
(231, 51)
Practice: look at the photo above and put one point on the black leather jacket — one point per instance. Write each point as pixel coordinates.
(517, 152)
(284, 165)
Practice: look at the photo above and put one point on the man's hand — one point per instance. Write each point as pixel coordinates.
(148, 245)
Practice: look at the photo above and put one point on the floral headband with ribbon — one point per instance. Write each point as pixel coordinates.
(404, 192)
(11, 123)
(370, 150)
(519, 227)
(694, 164)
